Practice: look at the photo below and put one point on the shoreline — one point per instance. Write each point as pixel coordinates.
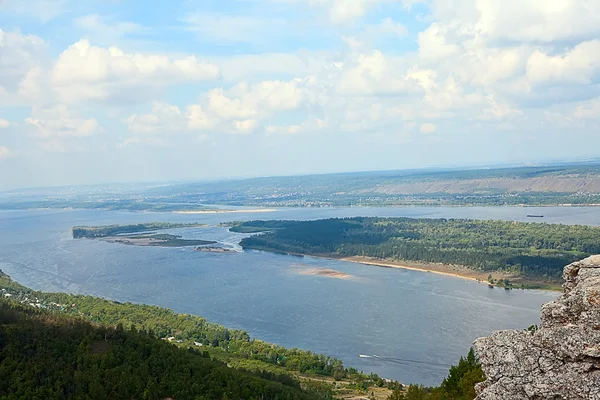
(454, 271)
(257, 210)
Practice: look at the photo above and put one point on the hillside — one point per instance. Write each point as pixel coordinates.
(45, 355)
(558, 184)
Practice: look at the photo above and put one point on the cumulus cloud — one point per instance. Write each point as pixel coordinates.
(60, 122)
(238, 110)
(19, 54)
(578, 65)
(87, 72)
(375, 74)
(4, 123)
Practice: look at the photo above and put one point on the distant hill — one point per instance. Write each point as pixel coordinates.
(557, 184)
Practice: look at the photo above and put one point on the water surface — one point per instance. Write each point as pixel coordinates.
(411, 324)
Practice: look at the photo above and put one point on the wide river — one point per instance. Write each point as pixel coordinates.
(411, 324)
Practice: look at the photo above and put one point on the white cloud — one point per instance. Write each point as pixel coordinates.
(4, 123)
(240, 109)
(245, 126)
(578, 65)
(163, 118)
(260, 100)
(308, 126)
(60, 122)
(18, 54)
(86, 72)
(510, 21)
(428, 128)
(375, 74)
(387, 27)
(5, 153)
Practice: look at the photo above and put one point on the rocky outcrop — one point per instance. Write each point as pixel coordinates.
(561, 359)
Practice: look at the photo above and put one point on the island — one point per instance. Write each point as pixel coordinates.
(500, 253)
(143, 234)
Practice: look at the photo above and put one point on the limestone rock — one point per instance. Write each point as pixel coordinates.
(560, 360)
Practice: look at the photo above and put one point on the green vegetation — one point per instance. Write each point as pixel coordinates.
(459, 385)
(45, 355)
(93, 232)
(527, 249)
(232, 347)
(117, 234)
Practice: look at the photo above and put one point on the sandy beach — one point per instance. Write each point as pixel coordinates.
(329, 273)
(440, 269)
(456, 271)
(258, 210)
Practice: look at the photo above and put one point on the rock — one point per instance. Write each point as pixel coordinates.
(561, 359)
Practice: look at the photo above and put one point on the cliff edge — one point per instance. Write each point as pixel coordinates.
(561, 359)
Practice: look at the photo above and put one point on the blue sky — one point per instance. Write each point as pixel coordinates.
(122, 91)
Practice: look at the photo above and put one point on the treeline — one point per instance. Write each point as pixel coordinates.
(459, 385)
(190, 330)
(91, 232)
(47, 355)
(536, 250)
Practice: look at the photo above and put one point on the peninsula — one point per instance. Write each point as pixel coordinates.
(140, 234)
(501, 253)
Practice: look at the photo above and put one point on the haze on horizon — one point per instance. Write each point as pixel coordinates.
(96, 91)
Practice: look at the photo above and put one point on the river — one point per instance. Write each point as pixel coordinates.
(410, 325)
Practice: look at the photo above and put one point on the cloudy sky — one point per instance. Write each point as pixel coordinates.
(118, 90)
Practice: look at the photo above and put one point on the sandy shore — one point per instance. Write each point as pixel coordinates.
(455, 271)
(329, 273)
(258, 210)
(440, 269)
(144, 241)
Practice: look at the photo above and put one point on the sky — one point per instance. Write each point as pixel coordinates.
(101, 91)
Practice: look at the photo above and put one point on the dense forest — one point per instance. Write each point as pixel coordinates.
(45, 355)
(531, 249)
(55, 345)
(91, 232)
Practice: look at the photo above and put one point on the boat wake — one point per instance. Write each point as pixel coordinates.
(404, 361)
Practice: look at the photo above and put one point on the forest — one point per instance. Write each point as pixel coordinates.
(92, 232)
(536, 250)
(45, 355)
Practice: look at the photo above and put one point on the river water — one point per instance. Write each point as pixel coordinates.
(411, 325)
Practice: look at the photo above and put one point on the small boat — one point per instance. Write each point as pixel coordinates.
(534, 216)
(490, 286)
